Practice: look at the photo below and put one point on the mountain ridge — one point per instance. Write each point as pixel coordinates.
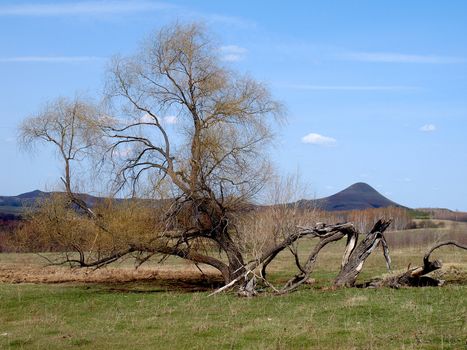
(357, 196)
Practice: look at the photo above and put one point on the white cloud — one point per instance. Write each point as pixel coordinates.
(428, 128)
(146, 118)
(317, 139)
(49, 59)
(170, 119)
(233, 53)
(405, 179)
(123, 152)
(82, 8)
(226, 20)
(348, 87)
(391, 57)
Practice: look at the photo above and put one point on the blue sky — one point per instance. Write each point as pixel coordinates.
(376, 91)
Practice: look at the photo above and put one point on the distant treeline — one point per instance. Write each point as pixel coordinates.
(444, 214)
(363, 220)
(9, 223)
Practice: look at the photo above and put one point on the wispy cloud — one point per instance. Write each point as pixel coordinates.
(123, 152)
(82, 8)
(317, 139)
(348, 87)
(50, 59)
(428, 128)
(116, 7)
(226, 20)
(392, 57)
(146, 118)
(232, 53)
(168, 120)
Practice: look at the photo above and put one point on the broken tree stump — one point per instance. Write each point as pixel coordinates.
(416, 277)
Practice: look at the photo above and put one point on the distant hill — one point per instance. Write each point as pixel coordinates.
(356, 197)
(12, 207)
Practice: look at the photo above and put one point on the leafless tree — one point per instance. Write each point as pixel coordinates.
(73, 127)
(213, 159)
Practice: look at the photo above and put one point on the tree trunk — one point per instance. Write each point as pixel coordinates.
(354, 258)
(234, 255)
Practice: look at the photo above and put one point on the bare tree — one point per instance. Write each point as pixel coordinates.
(73, 127)
(212, 160)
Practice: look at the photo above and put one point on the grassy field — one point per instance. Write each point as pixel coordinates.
(152, 308)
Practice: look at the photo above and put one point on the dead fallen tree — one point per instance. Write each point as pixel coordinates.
(353, 259)
(247, 280)
(417, 277)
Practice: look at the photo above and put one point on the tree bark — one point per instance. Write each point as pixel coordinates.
(416, 277)
(355, 257)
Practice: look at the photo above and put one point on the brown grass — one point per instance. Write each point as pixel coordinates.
(30, 268)
(424, 238)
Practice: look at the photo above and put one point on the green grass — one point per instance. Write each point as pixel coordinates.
(154, 315)
(94, 317)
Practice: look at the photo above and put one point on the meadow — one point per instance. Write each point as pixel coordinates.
(167, 306)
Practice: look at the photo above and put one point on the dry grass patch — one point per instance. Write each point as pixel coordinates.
(30, 268)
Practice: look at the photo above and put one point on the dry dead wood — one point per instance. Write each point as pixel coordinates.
(416, 277)
(355, 256)
(327, 234)
(352, 261)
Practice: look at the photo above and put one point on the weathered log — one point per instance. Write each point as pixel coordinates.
(248, 289)
(305, 271)
(352, 262)
(327, 234)
(416, 277)
(355, 256)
